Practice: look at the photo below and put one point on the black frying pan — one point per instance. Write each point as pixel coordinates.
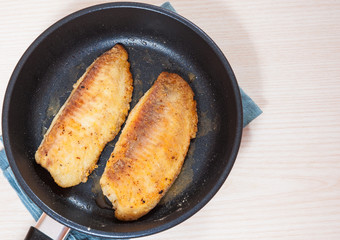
(157, 40)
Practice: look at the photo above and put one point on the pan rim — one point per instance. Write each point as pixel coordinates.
(60, 23)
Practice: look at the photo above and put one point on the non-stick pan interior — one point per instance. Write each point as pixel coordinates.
(156, 41)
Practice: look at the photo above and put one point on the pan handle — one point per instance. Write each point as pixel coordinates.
(47, 229)
(36, 234)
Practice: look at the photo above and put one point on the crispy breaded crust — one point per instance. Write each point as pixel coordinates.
(90, 118)
(151, 148)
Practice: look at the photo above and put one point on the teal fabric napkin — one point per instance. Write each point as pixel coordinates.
(250, 112)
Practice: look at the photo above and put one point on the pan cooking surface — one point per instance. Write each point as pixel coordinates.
(146, 64)
(155, 43)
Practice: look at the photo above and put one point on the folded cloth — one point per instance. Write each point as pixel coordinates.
(250, 112)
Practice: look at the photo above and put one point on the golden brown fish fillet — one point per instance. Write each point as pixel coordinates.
(151, 148)
(90, 118)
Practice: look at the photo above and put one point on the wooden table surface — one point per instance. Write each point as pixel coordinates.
(285, 183)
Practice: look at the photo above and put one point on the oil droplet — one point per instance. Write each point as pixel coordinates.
(103, 202)
(111, 144)
(138, 86)
(52, 110)
(43, 130)
(184, 179)
(95, 183)
(100, 199)
(190, 156)
(191, 76)
(147, 58)
(53, 107)
(166, 63)
(182, 182)
(206, 124)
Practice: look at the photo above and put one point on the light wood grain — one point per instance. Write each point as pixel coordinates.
(286, 55)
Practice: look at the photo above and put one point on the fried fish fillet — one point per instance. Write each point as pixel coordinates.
(151, 148)
(90, 118)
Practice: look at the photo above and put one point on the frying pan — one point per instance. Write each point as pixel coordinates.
(157, 40)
